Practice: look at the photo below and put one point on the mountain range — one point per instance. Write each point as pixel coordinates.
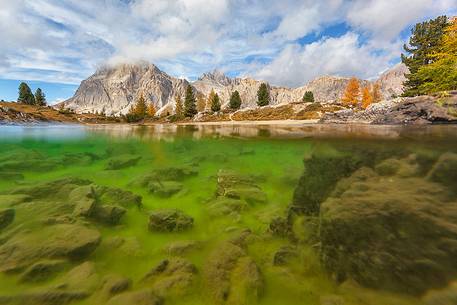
(114, 89)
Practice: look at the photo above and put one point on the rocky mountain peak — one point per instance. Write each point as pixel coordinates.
(217, 77)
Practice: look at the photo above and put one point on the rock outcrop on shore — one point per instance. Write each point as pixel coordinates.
(113, 90)
(409, 111)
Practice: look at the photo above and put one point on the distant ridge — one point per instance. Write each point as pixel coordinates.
(113, 90)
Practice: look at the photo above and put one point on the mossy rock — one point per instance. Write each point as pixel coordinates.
(397, 235)
(232, 277)
(172, 277)
(140, 297)
(221, 206)
(170, 220)
(122, 161)
(165, 189)
(6, 217)
(108, 214)
(43, 270)
(445, 171)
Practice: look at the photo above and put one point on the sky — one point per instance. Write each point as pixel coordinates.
(55, 44)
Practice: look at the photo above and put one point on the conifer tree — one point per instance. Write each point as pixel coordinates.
(190, 107)
(308, 97)
(263, 95)
(367, 98)
(352, 93)
(179, 111)
(425, 41)
(441, 74)
(214, 101)
(40, 97)
(235, 100)
(25, 95)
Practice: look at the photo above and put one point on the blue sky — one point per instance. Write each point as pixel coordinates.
(54, 44)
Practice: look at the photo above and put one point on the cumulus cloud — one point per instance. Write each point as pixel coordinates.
(66, 40)
(343, 56)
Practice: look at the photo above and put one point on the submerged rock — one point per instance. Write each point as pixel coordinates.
(6, 217)
(397, 234)
(42, 270)
(170, 220)
(445, 171)
(57, 241)
(232, 277)
(141, 297)
(45, 296)
(284, 255)
(115, 284)
(221, 206)
(108, 214)
(122, 161)
(182, 247)
(165, 189)
(446, 296)
(117, 196)
(172, 277)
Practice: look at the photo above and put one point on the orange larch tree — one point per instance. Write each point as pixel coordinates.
(352, 93)
(367, 98)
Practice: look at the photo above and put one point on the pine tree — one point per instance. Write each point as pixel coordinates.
(352, 93)
(214, 101)
(151, 110)
(201, 102)
(376, 93)
(441, 74)
(263, 95)
(179, 112)
(424, 42)
(190, 107)
(367, 98)
(40, 97)
(235, 100)
(25, 95)
(308, 97)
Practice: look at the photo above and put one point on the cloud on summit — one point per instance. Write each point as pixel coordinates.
(285, 42)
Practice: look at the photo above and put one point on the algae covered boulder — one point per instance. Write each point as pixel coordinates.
(231, 184)
(170, 220)
(165, 189)
(43, 270)
(396, 234)
(122, 161)
(232, 277)
(6, 217)
(140, 297)
(172, 277)
(70, 241)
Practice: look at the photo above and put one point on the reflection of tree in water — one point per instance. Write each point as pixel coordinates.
(264, 133)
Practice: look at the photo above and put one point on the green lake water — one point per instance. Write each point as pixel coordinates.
(287, 167)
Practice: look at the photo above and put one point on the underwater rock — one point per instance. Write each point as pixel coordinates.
(284, 255)
(42, 270)
(171, 277)
(169, 220)
(84, 199)
(403, 168)
(445, 171)
(232, 277)
(122, 161)
(446, 296)
(221, 206)
(279, 226)
(117, 196)
(56, 188)
(11, 176)
(82, 278)
(57, 241)
(115, 284)
(394, 234)
(108, 214)
(178, 173)
(181, 247)
(13, 200)
(332, 300)
(44, 297)
(165, 189)
(141, 297)
(6, 217)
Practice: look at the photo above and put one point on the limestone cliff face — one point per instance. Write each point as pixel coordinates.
(113, 90)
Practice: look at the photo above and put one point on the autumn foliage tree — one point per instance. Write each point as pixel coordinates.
(352, 93)
(367, 98)
(140, 107)
(151, 110)
(201, 102)
(376, 93)
(214, 101)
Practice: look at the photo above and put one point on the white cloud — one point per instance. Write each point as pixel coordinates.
(65, 40)
(343, 56)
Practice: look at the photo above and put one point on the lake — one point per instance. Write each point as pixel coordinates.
(228, 214)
